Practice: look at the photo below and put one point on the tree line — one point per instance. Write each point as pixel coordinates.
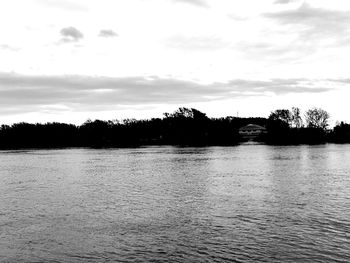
(184, 127)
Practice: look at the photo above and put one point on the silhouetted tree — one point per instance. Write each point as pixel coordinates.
(297, 121)
(186, 113)
(283, 115)
(95, 133)
(185, 126)
(341, 133)
(277, 130)
(317, 118)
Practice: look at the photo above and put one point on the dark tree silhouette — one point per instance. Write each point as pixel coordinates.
(341, 133)
(184, 127)
(317, 118)
(297, 121)
(282, 115)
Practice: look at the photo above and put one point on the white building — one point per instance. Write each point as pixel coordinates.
(251, 131)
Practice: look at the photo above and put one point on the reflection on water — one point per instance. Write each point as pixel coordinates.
(247, 203)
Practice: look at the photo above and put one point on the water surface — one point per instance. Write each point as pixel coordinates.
(250, 203)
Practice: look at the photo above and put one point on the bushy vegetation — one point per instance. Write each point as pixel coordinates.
(184, 127)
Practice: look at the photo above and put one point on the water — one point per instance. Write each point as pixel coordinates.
(250, 203)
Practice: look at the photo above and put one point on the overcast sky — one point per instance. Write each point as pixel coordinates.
(70, 60)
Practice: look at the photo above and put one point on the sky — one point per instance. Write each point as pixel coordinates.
(73, 60)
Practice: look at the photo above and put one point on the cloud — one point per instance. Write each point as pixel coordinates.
(278, 52)
(196, 43)
(8, 47)
(62, 4)
(284, 1)
(71, 34)
(199, 3)
(107, 33)
(296, 34)
(314, 23)
(102, 93)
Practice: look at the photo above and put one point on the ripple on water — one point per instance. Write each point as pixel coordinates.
(252, 203)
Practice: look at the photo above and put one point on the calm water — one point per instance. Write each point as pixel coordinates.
(251, 203)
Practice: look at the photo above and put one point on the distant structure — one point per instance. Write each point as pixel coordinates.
(251, 131)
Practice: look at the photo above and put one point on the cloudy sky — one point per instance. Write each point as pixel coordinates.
(70, 60)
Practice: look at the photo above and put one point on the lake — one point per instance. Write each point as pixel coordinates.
(249, 203)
